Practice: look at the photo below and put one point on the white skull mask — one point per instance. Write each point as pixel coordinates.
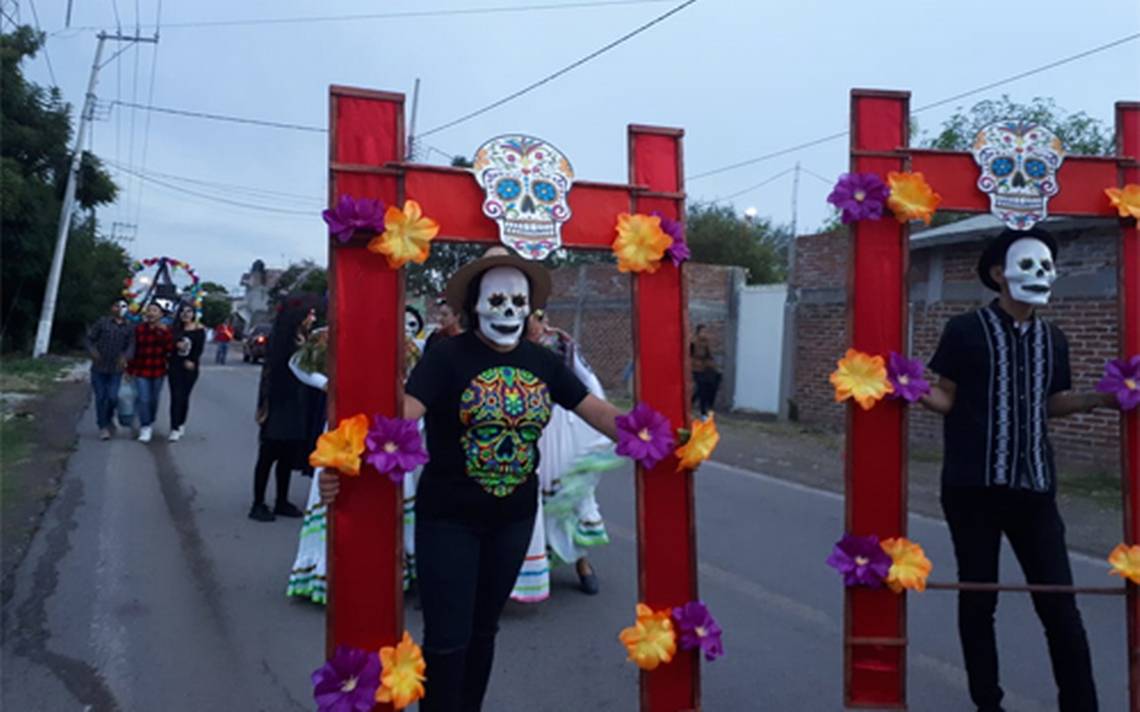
(1019, 163)
(411, 324)
(1029, 271)
(503, 306)
(526, 182)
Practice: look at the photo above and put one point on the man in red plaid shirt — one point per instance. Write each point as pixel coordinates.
(153, 346)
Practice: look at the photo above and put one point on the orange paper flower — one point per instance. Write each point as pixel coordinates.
(702, 442)
(652, 639)
(909, 566)
(407, 235)
(641, 243)
(1125, 562)
(862, 377)
(1126, 200)
(402, 673)
(341, 449)
(911, 198)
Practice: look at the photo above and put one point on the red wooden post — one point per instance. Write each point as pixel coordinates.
(1128, 149)
(666, 529)
(876, 458)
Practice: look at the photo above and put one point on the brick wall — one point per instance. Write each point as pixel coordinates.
(1086, 312)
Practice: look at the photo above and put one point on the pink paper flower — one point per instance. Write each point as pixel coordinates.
(644, 435)
(1122, 378)
(394, 447)
(350, 215)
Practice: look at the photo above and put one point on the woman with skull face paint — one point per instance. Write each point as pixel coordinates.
(1004, 371)
(486, 396)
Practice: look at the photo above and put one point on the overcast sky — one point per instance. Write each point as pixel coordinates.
(742, 78)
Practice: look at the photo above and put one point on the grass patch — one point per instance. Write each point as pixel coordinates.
(24, 374)
(15, 448)
(1100, 487)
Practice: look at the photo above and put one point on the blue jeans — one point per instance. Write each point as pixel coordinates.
(223, 349)
(106, 387)
(148, 391)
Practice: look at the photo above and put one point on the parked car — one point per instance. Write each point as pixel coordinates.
(255, 344)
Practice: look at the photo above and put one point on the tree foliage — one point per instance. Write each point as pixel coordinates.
(34, 160)
(716, 235)
(1079, 132)
(303, 276)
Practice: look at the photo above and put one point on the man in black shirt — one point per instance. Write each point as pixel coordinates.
(1004, 371)
(111, 343)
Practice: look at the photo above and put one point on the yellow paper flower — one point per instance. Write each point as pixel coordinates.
(909, 566)
(1125, 562)
(407, 235)
(1126, 200)
(862, 377)
(402, 673)
(641, 243)
(911, 198)
(702, 442)
(652, 639)
(341, 449)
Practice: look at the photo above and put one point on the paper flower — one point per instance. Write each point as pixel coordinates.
(860, 196)
(351, 215)
(1122, 377)
(861, 561)
(402, 678)
(394, 447)
(640, 244)
(1125, 562)
(651, 640)
(699, 446)
(911, 197)
(698, 629)
(909, 566)
(679, 251)
(644, 435)
(906, 378)
(1126, 200)
(347, 682)
(407, 235)
(341, 449)
(862, 377)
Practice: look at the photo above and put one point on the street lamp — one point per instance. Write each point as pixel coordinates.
(751, 213)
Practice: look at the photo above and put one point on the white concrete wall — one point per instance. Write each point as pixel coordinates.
(759, 347)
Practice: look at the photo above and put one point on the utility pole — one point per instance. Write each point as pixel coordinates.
(47, 311)
(791, 302)
(412, 126)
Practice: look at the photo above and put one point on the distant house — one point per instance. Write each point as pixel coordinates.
(252, 306)
(943, 283)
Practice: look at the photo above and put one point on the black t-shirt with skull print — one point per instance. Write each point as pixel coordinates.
(485, 413)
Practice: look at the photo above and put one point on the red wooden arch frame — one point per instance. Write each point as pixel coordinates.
(366, 153)
(876, 466)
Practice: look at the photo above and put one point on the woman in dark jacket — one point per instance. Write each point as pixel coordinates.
(189, 340)
(282, 409)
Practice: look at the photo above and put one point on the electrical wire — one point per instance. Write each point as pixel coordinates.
(149, 101)
(751, 188)
(264, 193)
(822, 179)
(551, 77)
(47, 57)
(221, 117)
(216, 199)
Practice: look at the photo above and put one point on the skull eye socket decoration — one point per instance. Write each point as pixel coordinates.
(1019, 163)
(525, 182)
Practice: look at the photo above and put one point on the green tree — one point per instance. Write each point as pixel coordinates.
(716, 235)
(34, 157)
(303, 276)
(1079, 132)
(213, 288)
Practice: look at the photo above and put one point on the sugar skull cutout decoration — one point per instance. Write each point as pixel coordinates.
(1019, 163)
(526, 182)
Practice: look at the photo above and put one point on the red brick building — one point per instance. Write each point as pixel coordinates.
(943, 283)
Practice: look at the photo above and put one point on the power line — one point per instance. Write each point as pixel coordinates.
(941, 102)
(149, 101)
(751, 188)
(822, 179)
(560, 72)
(216, 199)
(221, 117)
(47, 57)
(230, 187)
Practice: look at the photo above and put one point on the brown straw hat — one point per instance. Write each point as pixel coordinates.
(498, 256)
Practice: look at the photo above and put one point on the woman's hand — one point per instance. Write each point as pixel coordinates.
(329, 485)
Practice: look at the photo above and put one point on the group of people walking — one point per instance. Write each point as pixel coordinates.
(131, 362)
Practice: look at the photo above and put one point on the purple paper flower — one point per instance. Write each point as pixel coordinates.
(644, 435)
(860, 560)
(394, 447)
(861, 196)
(348, 681)
(351, 215)
(906, 376)
(698, 629)
(679, 251)
(1122, 378)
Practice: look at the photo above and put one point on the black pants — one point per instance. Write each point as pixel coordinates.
(977, 517)
(706, 384)
(182, 381)
(466, 574)
(284, 453)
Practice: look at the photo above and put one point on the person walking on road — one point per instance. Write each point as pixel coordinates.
(706, 375)
(189, 340)
(153, 345)
(223, 335)
(111, 343)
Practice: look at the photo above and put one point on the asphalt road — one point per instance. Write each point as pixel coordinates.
(147, 588)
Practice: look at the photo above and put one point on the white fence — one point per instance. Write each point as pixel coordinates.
(760, 348)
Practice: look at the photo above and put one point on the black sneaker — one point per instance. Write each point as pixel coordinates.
(260, 513)
(285, 509)
(588, 583)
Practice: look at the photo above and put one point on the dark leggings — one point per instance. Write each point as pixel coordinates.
(466, 573)
(182, 381)
(284, 453)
